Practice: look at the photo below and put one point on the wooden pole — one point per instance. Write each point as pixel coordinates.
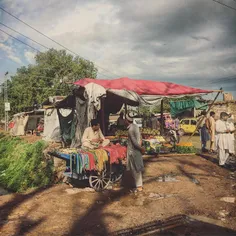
(209, 108)
(162, 117)
(103, 115)
(125, 109)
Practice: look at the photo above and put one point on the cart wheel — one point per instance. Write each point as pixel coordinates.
(99, 182)
(116, 177)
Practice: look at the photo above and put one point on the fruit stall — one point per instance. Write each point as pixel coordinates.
(153, 142)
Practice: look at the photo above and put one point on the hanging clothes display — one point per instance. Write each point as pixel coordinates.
(116, 152)
(67, 126)
(92, 160)
(82, 122)
(102, 158)
(94, 93)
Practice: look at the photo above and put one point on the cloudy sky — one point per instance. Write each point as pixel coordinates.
(191, 42)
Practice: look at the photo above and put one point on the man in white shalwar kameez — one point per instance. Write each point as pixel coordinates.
(223, 143)
(230, 126)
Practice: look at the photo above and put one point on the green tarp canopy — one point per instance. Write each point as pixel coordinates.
(177, 107)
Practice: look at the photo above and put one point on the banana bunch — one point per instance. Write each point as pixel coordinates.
(121, 133)
(148, 131)
(160, 139)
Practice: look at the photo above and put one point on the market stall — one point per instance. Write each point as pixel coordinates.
(135, 93)
(94, 98)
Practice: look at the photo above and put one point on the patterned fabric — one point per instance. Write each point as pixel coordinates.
(116, 152)
(87, 160)
(102, 158)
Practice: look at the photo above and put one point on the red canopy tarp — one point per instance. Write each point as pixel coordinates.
(144, 87)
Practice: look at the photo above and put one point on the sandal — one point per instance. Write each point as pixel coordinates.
(139, 189)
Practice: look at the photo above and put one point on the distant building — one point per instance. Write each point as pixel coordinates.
(228, 97)
(224, 106)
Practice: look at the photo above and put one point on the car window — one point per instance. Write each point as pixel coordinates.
(193, 122)
(185, 122)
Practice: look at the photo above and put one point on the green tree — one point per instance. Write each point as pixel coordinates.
(52, 74)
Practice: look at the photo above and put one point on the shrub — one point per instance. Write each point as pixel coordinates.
(23, 165)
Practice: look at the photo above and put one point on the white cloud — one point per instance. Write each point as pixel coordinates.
(15, 59)
(30, 56)
(162, 39)
(10, 53)
(3, 37)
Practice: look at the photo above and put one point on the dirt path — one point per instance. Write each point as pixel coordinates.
(199, 185)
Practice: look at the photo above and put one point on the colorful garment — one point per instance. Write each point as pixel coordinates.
(116, 152)
(102, 158)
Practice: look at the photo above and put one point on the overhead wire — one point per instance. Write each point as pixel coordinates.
(224, 5)
(66, 48)
(19, 40)
(31, 40)
(24, 36)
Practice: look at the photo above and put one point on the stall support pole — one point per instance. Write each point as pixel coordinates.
(209, 108)
(162, 117)
(103, 115)
(125, 109)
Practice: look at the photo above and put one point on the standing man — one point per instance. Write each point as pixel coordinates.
(154, 122)
(134, 153)
(230, 126)
(203, 131)
(176, 123)
(211, 129)
(121, 121)
(223, 143)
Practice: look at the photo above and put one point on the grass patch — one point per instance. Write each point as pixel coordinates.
(23, 165)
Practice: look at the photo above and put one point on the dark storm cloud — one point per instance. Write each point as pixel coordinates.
(189, 20)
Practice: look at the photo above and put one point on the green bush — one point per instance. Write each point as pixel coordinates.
(23, 165)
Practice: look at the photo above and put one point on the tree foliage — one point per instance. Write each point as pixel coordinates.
(51, 75)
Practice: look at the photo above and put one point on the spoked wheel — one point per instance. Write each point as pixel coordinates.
(117, 174)
(99, 182)
(116, 177)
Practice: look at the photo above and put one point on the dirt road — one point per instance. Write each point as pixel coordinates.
(194, 188)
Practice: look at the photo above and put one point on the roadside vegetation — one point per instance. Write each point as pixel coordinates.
(23, 165)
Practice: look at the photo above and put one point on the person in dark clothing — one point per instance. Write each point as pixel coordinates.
(134, 153)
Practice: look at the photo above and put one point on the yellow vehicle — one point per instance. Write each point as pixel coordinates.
(188, 125)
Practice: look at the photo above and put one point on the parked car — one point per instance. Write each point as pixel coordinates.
(188, 125)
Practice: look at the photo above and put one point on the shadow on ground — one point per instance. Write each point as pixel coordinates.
(25, 224)
(177, 225)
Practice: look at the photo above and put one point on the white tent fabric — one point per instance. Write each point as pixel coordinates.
(20, 120)
(93, 93)
(147, 100)
(51, 124)
(134, 97)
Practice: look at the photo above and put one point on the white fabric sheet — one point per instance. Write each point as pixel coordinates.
(51, 124)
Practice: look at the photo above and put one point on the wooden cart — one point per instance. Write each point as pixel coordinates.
(98, 180)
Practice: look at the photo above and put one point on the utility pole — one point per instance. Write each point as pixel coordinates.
(6, 103)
